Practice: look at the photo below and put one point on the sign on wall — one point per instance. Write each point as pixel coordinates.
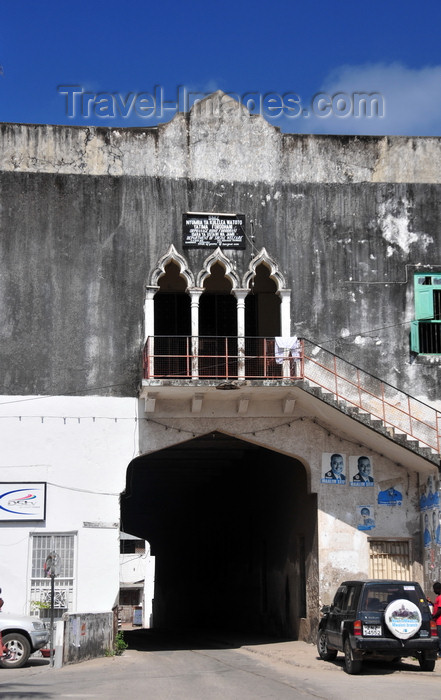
(23, 500)
(333, 468)
(212, 230)
(390, 497)
(361, 470)
(366, 518)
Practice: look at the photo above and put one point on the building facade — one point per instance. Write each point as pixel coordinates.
(223, 340)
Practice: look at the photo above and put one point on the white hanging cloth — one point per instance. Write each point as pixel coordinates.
(286, 348)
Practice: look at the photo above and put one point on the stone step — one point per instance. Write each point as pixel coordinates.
(362, 416)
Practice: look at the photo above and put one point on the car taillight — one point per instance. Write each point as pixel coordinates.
(433, 630)
(357, 628)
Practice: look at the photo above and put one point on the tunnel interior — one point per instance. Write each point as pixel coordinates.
(233, 530)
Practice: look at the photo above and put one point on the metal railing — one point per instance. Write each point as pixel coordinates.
(372, 396)
(233, 358)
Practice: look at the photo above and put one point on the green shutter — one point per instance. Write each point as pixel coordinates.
(423, 302)
(414, 337)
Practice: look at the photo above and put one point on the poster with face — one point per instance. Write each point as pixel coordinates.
(430, 496)
(361, 470)
(333, 468)
(366, 517)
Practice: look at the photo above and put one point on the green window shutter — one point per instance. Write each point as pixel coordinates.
(414, 337)
(423, 302)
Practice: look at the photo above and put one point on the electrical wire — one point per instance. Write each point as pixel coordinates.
(78, 392)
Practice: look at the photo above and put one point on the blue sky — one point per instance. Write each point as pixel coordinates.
(313, 62)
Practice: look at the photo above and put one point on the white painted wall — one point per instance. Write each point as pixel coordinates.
(140, 567)
(81, 447)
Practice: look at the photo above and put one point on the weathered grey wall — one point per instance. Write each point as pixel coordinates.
(219, 140)
(77, 250)
(85, 213)
(86, 636)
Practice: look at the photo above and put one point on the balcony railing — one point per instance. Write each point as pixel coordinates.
(208, 357)
(232, 358)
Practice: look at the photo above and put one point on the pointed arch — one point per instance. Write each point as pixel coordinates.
(172, 255)
(218, 257)
(275, 274)
(262, 485)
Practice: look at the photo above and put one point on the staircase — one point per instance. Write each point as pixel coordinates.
(368, 400)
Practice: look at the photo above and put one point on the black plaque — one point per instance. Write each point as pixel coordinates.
(213, 230)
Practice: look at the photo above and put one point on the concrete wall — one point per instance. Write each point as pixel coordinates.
(219, 141)
(348, 219)
(87, 636)
(73, 320)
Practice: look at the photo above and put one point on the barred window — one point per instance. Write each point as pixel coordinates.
(40, 593)
(391, 559)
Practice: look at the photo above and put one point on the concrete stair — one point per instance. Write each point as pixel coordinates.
(376, 424)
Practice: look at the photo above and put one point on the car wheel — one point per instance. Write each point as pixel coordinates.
(425, 664)
(352, 666)
(322, 647)
(20, 650)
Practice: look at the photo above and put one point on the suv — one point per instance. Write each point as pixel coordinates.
(22, 635)
(378, 619)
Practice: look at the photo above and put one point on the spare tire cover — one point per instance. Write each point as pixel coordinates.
(403, 618)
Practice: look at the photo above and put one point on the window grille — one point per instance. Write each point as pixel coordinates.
(40, 591)
(390, 559)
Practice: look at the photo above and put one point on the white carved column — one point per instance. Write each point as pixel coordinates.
(285, 313)
(285, 327)
(149, 312)
(240, 295)
(149, 327)
(194, 307)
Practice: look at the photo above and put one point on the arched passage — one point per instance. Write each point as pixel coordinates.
(262, 306)
(233, 530)
(172, 304)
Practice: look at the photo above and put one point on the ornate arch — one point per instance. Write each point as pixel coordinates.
(172, 255)
(275, 274)
(218, 256)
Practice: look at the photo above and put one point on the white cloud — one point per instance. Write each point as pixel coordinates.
(412, 101)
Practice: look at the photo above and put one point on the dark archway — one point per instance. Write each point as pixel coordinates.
(262, 305)
(217, 326)
(172, 323)
(233, 530)
(172, 304)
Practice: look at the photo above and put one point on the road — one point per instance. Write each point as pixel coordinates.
(170, 668)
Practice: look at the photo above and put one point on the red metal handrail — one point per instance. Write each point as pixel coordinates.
(356, 388)
(184, 357)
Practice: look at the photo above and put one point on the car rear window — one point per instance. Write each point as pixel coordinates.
(378, 596)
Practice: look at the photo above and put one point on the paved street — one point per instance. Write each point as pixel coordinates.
(165, 668)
